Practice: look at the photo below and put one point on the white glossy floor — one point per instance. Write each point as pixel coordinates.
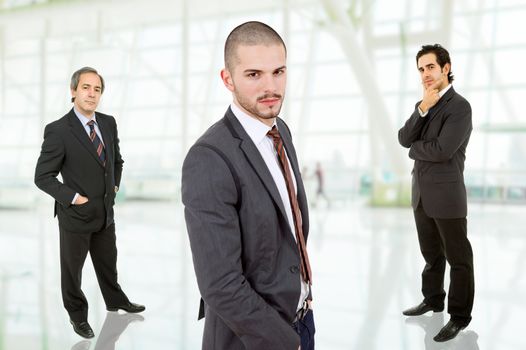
(366, 266)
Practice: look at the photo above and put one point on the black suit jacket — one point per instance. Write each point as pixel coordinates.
(68, 150)
(438, 144)
(245, 256)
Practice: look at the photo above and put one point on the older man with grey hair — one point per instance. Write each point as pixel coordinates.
(83, 146)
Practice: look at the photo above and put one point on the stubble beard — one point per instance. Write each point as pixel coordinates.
(254, 111)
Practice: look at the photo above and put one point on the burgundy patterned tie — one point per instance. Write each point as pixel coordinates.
(300, 240)
(99, 146)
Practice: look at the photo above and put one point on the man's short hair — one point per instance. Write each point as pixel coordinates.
(442, 57)
(250, 34)
(75, 78)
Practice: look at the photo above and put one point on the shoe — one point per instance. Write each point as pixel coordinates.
(449, 331)
(421, 309)
(83, 329)
(130, 307)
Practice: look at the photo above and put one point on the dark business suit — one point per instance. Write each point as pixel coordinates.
(437, 143)
(245, 257)
(68, 150)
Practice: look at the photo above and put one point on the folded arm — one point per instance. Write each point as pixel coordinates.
(410, 132)
(455, 130)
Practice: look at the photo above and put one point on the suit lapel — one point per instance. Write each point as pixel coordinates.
(254, 158)
(77, 129)
(435, 110)
(301, 196)
(104, 128)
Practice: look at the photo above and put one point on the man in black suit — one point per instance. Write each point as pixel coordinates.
(83, 147)
(437, 134)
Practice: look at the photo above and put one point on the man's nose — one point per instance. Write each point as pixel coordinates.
(269, 83)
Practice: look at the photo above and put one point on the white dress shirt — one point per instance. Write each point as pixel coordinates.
(84, 121)
(258, 134)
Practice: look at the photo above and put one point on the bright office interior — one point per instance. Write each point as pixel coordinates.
(352, 82)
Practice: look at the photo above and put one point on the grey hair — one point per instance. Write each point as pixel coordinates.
(75, 78)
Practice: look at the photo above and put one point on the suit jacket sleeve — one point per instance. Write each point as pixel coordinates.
(49, 165)
(455, 129)
(410, 132)
(209, 195)
(118, 158)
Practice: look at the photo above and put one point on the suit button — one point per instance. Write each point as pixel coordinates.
(105, 195)
(105, 174)
(294, 269)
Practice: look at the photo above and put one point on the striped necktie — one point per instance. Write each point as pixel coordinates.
(300, 240)
(99, 146)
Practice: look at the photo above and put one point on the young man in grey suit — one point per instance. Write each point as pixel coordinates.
(246, 209)
(83, 147)
(437, 134)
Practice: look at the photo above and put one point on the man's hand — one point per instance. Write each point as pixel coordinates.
(431, 96)
(81, 200)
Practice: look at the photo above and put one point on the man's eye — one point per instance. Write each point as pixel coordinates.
(252, 75)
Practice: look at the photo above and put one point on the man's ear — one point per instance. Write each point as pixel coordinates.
(446, 69)
(227, 79)
(73, 95)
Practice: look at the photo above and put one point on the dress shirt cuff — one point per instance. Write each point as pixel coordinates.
(75, 198)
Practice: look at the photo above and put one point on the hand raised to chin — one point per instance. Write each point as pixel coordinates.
(431, 95)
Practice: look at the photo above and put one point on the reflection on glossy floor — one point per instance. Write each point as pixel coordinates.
(366, 266)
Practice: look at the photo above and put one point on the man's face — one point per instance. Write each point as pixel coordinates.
(258, 80)
(431, 72)
(87, 94)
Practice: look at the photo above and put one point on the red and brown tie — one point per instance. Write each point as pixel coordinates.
(99, 146)
(300, 240)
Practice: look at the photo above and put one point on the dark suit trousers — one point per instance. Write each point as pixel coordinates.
(306, 330)
(444, 240)
(74, 248)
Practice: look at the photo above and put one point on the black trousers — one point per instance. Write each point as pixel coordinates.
(444, 240)
(74, 248)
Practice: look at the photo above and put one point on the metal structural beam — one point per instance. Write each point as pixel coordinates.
(382, 132)
(138, 12)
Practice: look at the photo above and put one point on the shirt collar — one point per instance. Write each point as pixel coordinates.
(83, 119)
(256, 129)
(444, 90)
